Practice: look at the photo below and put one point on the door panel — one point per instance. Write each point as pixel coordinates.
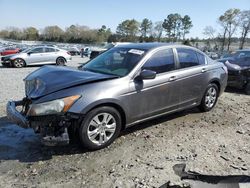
(150, 97)
(155, 96)
(193, 73)
(192, 81)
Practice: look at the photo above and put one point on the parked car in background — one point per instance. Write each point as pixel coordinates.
(37, 56)
(212, 55)
(9, 50)
(121, 87)
(74, 51)
(86, 52)
(238, 69)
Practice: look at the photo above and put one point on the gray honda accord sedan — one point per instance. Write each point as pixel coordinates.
(121, 87)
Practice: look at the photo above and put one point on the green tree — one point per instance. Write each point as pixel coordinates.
(186, 25)
(53, 33)
(31, 33)
(145, 28)
(128, 30)
(158, 30)
(103, 34)
(172, 25)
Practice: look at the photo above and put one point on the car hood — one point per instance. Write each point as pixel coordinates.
(49, 79)
(7, 57)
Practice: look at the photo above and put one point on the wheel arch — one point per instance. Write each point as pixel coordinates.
(217, 82)
(115, 106)
(61, 57)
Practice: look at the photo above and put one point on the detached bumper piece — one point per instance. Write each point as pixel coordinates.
(62, 139)
(14, 115)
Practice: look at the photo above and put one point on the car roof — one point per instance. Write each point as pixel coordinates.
(150, 46)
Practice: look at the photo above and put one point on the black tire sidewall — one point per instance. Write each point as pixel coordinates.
(203, 106)
(59, 64)
(86, 143)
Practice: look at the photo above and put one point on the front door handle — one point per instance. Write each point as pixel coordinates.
(172, 78)
(203, 70)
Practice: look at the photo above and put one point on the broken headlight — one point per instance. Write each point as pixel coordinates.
(52, 107)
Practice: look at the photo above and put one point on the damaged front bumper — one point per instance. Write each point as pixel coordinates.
(14, 115)
(53, 129)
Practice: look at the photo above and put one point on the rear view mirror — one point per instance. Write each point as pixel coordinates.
(147, 74)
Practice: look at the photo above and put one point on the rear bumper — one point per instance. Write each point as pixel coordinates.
(14, 115)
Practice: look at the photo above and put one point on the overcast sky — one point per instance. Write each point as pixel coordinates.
(94, 13)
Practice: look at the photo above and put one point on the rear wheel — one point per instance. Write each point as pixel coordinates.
(247, 88)
(60, 61)
(100, 128)
(18, 63)
(210, 98)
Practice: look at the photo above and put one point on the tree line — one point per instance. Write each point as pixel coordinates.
(232, 22)
(173, 28)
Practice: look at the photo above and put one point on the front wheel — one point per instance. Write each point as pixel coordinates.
(18, 63)
(60, 61)
(100, 128)
(210, 98)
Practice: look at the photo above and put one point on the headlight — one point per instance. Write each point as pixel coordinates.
(52, 107)
(35, 85)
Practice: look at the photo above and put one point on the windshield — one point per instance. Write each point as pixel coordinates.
(116, 61)
(26, 50)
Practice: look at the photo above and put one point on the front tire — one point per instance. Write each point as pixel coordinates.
(210, 98)
(100, 128)
(18, 63)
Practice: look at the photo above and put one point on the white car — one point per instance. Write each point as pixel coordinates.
(37, 56)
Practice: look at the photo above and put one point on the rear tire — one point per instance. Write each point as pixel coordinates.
(18, 63)
(100, 128)
(247, 88)
(60, 61)
(210, 98)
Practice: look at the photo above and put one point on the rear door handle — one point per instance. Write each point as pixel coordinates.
(203, 70)
(172, 78)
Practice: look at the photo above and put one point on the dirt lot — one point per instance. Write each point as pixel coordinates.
(217, 142)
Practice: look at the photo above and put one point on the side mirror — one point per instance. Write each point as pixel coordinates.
(147, 74)
(28, 53)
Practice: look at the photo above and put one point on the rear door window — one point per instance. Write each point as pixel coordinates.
(201, 58)
(37, 50)
(188, 58)
(50, 50)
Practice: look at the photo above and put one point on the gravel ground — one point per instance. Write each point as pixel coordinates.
(213, 143)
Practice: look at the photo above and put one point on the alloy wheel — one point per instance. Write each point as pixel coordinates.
(18, 63)
(101, 128)
(210, 98)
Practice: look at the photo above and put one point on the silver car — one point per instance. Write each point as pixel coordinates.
(37, 56)
(121, 87)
